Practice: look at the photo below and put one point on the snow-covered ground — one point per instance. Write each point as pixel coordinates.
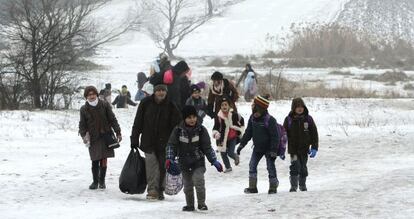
(364, 168)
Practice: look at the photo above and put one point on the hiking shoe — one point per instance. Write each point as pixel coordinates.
(188, 208)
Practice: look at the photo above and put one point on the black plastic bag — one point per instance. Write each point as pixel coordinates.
(133, 177)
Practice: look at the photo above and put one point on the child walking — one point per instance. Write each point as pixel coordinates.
(190, 142)
(262, 127)
(302, 140)
(228, 127)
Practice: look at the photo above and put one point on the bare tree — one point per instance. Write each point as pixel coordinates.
(45, 38)
(210, 7)
(170, 21)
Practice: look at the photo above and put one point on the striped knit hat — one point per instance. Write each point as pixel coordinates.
(261, 102)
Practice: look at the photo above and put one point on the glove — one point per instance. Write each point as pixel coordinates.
(217, 136)
(312, 153)
(134, 145)
(172, 167)
(282, 157)
(239, 148)
(218, 166)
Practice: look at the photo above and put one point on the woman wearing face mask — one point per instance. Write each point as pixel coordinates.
(97, 119)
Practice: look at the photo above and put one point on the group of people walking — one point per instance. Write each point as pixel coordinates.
(168, 128)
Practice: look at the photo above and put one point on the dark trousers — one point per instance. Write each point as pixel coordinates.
(298, 165)
(231, 145)
(270, 162)
(191, 179)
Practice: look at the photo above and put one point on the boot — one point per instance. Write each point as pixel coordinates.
(202, 207)
(273, 187)
(188, 208)
(302, 184)
(95, 173)
(102, 174)
(252, 186)
(189, 199)
(293, 183)
(152, 195)
(227, 170)
(236, 160)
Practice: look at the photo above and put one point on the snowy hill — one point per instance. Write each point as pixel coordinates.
(382, 18)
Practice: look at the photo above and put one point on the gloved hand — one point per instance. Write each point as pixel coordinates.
(218, 166)
(217, 136)
(312, 153)
(172, 167)
(134, 145)
(282, 157)
(239, 148)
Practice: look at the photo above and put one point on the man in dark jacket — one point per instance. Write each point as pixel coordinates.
(190, 142)
(302, 133)
(262, 127)
(123, 99)
(155, 119)
(221, 87)
(179, 91)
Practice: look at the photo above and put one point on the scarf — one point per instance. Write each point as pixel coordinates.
(219, 89)
(94, 103)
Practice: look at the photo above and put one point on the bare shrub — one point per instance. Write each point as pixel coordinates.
(391, 77)
(342, 73)
(409, 87)
(216, 62)
(238, 60)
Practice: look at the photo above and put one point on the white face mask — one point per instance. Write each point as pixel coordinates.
(93, 103)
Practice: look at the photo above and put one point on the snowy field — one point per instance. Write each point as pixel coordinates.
(364, 168)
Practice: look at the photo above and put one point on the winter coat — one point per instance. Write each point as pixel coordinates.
(214, 99)
(199, 104)
(154, 123)
(264, 134)
(98, 120)
(223, 124)
(122, 101)
(301, 132)
(190, 145)
(179, 90)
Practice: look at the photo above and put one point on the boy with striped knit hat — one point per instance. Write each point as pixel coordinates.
(262, 127)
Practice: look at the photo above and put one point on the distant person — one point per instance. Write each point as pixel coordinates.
(97, 120)
(106, 93)
(228, 129)
(141, 80)
(178, 84)
(148, 89)
(158, 68)
(248, 68)
(123, 99)
(198, 102)
(221, 87)
(250, 87)
(190, 142)
(155, 119)
(303, 138)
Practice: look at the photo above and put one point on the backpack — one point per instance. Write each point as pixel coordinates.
(282, 133)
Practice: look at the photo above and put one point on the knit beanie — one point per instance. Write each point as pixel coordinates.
(188, 111)
(160, 87)
(261, 102)
(194, 88)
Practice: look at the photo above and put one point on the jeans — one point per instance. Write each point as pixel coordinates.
(231, 145)
(270, 162)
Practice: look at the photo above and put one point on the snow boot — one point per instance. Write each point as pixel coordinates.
(293, 183)
(273, 187)
(102, 174)
(252, 186)
(152, 195)
(202, 207)
(95, 173)
(302, 184)
(188, 208)
(161, 196)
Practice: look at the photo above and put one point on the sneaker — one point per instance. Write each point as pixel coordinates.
(188, 208)
(237, 160)
(202, 207)
(228, 170)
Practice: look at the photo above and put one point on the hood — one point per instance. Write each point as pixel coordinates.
(298, 102)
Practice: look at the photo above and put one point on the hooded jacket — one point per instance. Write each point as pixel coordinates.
(301, 130)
